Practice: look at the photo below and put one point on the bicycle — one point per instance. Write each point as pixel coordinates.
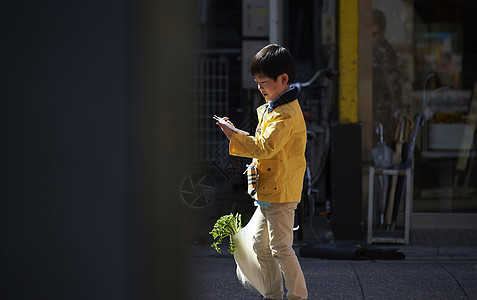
(318, 141)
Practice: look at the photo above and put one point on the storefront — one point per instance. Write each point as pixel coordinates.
(415, 56)
(419, 56)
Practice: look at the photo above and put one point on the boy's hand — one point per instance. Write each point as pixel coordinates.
(227, 131)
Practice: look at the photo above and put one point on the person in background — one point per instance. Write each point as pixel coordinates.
(387, 91)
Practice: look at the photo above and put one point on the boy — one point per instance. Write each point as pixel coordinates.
(278, 152)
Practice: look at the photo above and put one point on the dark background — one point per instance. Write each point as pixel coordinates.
(91, 154)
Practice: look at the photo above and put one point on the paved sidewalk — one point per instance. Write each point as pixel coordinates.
(441, 245)
(214, 278)
(444, 237)
(438, 253)
(438, 264)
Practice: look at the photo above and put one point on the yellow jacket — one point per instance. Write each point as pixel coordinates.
(277, 149)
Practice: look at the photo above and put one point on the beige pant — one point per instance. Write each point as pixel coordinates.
(273, 244)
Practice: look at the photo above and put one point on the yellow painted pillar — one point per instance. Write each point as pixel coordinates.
(348, 60)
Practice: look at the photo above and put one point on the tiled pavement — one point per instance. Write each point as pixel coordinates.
(444, 237)
(441, 245)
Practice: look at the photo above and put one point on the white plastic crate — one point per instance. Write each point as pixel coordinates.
(450, 136)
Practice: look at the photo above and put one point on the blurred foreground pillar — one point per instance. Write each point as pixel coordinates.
(162, 44)
(93, 149)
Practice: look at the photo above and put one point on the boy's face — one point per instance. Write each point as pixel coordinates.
(271, 88)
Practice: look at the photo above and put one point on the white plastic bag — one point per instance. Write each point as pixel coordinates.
(249, 272)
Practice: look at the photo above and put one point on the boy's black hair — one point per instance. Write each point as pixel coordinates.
(272, 61)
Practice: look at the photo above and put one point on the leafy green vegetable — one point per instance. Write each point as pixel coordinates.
(226, 226)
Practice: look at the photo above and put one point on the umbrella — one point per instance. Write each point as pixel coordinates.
(397, 159)
(383, 158)
(407, 163)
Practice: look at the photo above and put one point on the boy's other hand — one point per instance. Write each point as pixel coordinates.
(227, 131)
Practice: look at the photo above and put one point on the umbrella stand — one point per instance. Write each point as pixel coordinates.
(404, 170)
(384, 236)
